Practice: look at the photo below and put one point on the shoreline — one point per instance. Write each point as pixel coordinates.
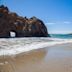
(36, 60)
(40, 47)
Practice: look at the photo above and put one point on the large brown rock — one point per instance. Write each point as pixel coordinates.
(22, 26)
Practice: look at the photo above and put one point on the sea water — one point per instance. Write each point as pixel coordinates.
(13, 46)
(62, 36)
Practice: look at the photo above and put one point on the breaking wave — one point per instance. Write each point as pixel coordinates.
(15, 46)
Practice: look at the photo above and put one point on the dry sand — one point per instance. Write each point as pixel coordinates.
(52, 59)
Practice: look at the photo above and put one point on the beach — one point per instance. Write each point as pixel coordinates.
(57, 58)
(35, 35)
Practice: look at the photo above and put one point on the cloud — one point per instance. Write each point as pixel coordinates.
(50, 23)
(67, 22)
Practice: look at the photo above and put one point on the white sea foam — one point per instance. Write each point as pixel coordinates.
(16, 46)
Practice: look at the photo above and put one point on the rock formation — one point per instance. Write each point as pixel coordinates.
(22, 26)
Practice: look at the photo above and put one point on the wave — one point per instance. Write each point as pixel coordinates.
(16, 46)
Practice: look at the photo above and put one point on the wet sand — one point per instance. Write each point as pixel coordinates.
(57, 58)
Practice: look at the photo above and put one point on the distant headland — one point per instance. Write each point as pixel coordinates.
(22, 26)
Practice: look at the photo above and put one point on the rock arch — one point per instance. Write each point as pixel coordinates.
(12, 25)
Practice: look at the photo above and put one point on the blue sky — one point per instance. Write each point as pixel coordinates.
(56, 14)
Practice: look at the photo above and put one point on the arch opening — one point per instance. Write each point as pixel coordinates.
(12, 34)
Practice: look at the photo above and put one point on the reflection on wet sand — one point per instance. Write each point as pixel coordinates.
(22, 62)
(51, 59)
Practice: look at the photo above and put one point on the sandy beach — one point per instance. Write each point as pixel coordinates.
(56, 58)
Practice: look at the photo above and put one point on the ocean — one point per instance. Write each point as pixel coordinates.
(14, 46)
(62, 36)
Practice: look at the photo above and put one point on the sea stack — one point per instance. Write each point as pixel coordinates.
(22, 26)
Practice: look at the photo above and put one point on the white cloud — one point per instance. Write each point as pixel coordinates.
(50, 23)
(67, 22)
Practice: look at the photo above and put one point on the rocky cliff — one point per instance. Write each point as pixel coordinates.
(22, 26)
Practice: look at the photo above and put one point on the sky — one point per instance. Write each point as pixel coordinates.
(56, 14)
